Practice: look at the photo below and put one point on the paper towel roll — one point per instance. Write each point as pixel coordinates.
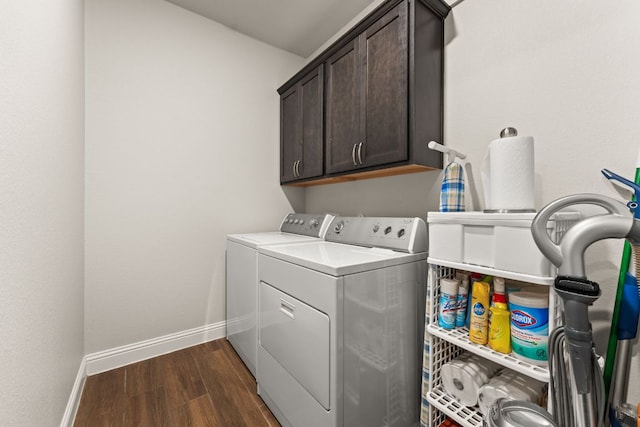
(509, 170)
(511, 386)
(462, 378)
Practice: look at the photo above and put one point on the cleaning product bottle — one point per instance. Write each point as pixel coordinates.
(475, 277)
(448, 303)
(463, 295)
(499, 319)
(479, 324)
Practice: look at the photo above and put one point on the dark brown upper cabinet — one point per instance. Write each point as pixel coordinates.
(383, 95)
(301, 129)
(367, 107)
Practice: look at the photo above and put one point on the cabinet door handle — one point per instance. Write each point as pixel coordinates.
(299, 168)
(294, 168)
(353, 154)
(360, 153)
(296, 172)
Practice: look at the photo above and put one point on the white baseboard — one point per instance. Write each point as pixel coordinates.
(120, 356)
(74, 399)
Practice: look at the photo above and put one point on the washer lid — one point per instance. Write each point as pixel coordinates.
(338, 259)
(255, 240)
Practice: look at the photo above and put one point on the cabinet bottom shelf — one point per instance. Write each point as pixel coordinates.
(465, 416)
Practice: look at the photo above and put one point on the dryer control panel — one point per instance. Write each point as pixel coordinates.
(314, 225)
(395, 233)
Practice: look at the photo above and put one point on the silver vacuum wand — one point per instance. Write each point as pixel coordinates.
(578, 294)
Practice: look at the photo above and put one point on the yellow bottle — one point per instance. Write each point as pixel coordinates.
(499, 319)
(479, 323)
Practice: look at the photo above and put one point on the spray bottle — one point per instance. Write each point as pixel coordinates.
(499, 319)
(448, 303)
(463, 299)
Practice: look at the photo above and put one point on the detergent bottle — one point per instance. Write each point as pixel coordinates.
(499, 319)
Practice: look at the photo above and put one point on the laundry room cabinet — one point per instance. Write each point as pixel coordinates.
(367, 83)
(382, 98)
(301, 118)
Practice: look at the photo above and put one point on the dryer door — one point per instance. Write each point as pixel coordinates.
(297, 336)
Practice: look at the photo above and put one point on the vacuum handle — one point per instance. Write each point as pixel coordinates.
(552, 250)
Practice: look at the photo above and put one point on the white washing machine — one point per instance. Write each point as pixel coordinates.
(341, 325)
(242, 276)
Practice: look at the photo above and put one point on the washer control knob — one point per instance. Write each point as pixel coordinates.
(401, 232)
(376, 228)
(301, 221)
(338, 228)
(387, 230)
(314, 223)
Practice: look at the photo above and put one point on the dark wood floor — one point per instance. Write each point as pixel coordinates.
(205, 385)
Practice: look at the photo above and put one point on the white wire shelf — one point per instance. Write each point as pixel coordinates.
(460, 338)
(539, 280)
(463, 415)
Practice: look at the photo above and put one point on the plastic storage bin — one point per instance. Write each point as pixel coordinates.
(496, 240)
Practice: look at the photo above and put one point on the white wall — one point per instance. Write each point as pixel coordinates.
(182, 148)
(41, 208)
(566, 73)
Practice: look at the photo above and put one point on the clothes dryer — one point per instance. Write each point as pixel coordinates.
(242, 276)
(341, 325)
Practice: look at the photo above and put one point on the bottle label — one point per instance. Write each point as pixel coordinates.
(448, 310)
(461, 311)
(530, 332)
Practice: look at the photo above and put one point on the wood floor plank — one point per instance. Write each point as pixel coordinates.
(240, 369)
(148, 409)
(201, 386)
(142, 377)
(179, 375)
(268, 415)
(229, 396)
(197, 412)
(103, 399)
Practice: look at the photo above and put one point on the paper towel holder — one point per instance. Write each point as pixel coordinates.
(506, 133)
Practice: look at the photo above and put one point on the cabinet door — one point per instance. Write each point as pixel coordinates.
(311, 102)
(290, 143)
(343, 121)
(385, 89)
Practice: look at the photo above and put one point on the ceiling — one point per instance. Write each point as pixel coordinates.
(297, 26)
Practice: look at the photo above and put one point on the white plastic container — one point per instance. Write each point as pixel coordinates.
(496, 240)
(530, 326)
